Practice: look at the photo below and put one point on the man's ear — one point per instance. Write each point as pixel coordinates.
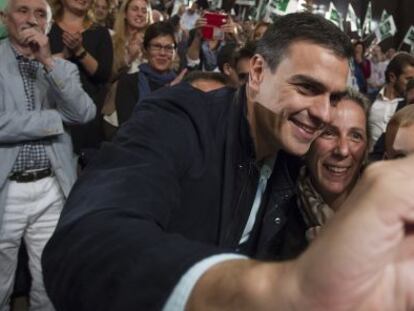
(393, 77)
(256, 72)
(227, 69)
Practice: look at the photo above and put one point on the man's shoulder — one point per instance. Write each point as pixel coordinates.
(185, 95)
(202, 108)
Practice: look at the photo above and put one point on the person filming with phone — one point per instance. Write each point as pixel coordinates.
(212, 31)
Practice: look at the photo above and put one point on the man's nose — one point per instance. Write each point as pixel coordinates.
(32, 20)
(321, 108)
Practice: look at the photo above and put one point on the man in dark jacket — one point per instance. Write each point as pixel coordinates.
(196, 182)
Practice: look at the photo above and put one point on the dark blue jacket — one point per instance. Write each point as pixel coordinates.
(175, 187)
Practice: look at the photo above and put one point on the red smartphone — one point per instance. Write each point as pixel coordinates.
(214, 22)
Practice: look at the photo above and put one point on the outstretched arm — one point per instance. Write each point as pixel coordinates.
(363, 259)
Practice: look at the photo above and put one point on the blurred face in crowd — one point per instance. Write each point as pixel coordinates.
(25, 14)
(137, 15)
(79, 7)
(400, 82)
(161, 52)
(390, 53)
(359, 49)
(293, 102)
(335, 157)
(377, 53)
(259, 32)
(242, 69)
(101, 10)
(409, 97)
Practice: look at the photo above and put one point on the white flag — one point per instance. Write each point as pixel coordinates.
(246, 2)
(409, 37)
(282, 7)
(385, 29)
(334, 16)
(367, 27)
(302, 6)
(384, 15)
(352, 18)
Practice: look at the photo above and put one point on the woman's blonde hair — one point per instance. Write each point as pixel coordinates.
(119, 39)
(58, 8)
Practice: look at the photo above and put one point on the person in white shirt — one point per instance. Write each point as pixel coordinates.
(190, 16)
(399, 71)
(378, 66)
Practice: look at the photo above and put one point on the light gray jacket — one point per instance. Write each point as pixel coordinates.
(60, 100)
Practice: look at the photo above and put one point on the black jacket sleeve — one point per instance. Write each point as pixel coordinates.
(112, 249)
(126, 97)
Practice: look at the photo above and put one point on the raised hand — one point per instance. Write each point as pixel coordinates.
(73, 41)
(364, 258)
(38, 43)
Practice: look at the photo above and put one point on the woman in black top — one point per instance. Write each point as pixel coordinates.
(159, 48)
(76, 38)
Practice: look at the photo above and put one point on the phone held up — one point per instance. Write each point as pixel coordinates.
(212, 30)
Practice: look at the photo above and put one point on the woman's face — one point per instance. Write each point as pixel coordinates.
(359, 49)
(335, 157)
(161, 52)
(77, 6)
(137, 15)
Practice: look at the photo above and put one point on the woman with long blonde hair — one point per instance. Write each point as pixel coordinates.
(75, 37)
(131, 21)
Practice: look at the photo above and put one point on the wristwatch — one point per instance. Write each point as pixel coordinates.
(81, 55)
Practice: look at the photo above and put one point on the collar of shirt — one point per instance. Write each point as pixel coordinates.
(381, 96)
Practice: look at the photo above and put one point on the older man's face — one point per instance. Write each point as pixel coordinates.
(25, 14)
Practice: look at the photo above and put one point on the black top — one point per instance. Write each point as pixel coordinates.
(174, 187)
(127, 94)
(97, 41)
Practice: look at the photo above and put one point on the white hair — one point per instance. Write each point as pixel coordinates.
(6, 9)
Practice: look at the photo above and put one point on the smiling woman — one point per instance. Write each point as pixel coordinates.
(131, 21)
(75, 37)
(159, 49)
(334, 162)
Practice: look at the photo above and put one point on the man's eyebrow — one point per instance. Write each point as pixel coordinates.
(303, 79)
(317, 85)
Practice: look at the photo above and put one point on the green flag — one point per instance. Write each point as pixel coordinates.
(352, 18)
(409, 36)
(3, 32)
(385, 29)
(334, 16)
(367, 27)
(384, 15)
(282, 7)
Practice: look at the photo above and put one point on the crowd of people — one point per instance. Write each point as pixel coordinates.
(153, 161)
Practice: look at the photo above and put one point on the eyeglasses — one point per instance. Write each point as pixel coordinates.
(169, 48)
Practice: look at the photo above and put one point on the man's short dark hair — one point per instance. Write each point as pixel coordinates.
(397, 64)
(301, 27)
(205, 75)
(247, 51)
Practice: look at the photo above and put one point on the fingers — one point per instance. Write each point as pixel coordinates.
(72, 40)
(179, 77)
(201, 22)
(33, 38)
